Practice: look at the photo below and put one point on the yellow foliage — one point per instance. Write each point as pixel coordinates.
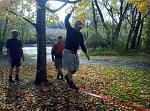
(3, 4)
(142, 5)
(6, 4)
(82, 10)
(114, 1)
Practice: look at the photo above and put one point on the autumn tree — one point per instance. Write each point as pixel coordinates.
(140, 10)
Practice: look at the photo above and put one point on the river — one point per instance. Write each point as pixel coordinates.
(33, 50)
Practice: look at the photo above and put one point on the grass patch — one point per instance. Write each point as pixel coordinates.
(126, 84)
(114, 55)
(102, 52)
(135, 59)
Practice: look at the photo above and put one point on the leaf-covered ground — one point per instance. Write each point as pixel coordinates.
(125, 84)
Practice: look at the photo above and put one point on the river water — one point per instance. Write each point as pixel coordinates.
(33, 50)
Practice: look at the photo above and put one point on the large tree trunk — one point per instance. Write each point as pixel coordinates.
(41, 75)
(132, 23)
(134, 39)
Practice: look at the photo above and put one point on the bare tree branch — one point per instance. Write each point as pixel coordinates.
(68, 1)
(53, 11)
(128, 20)
(22, 18)
(110, 13)
(101, 15)
(5, 28)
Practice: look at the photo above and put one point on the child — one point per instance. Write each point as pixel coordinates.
(57, 51)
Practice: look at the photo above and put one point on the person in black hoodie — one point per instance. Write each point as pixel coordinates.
(74, 40)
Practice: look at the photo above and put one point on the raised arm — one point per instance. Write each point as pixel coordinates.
(67, 24)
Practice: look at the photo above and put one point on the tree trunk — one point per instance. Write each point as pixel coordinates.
(134, 39)
(94, 17)
(116, 33)
(129, 38)
(41, 75)
(140, 35)
(121, 19)
(132, 23)
(2, 39)
(101, 15)
(148, 41)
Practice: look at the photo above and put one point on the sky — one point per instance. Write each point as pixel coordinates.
(62, 12)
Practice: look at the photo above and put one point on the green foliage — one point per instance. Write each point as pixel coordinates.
(102, 52)
(129, 82)
(96, 39)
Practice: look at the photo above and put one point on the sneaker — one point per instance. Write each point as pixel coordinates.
(73, 86)
(67, 79)
(10, 79)
(62, 77)
(17, 78)
(58, 77)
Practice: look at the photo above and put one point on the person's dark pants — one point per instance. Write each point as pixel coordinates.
(15, 62)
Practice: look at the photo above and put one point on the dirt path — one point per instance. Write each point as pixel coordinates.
(98, 62)
(117, 63)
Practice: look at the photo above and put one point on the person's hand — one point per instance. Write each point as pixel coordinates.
(23, 58)
(9, 60)
(73, 8)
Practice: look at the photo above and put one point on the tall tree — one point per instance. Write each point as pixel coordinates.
(132, 21)
(94, 16)
(122, 8)
(41, 75)
(101, 15)
(141, 11)
(136, 30)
